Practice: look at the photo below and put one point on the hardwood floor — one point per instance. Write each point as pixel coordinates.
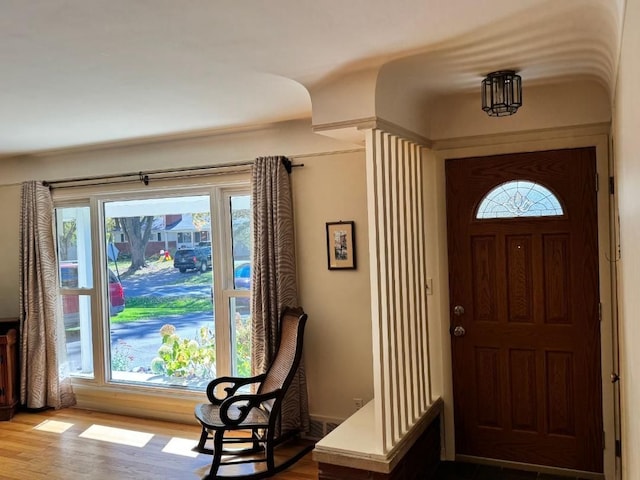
(75, 444)
(78, 444)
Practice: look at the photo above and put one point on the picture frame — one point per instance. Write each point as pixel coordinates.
(341, 245)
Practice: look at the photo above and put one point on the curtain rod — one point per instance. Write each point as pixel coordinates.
(144, 176)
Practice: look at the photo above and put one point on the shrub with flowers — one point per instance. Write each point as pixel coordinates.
(121, 357)
(182, 357)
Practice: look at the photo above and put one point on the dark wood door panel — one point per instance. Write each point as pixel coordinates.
(530, 424)
(526, 374)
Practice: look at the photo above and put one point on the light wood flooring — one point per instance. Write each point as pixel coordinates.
(78, 444)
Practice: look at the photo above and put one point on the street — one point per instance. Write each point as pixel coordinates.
(135, 344)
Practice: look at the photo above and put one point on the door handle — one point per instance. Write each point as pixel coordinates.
(459, 331)
(458, 310)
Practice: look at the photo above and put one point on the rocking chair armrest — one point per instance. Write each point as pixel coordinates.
(248, 401)
(236, 382)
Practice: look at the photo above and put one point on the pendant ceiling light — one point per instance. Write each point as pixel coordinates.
(501, 93)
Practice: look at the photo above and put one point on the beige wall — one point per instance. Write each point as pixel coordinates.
(9, 246)
(330, 187)
(346, 98)
(627, 165)
(398, 100)
(287, 138)
(544, 107)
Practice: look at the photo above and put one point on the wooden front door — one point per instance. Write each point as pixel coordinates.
(525, 308)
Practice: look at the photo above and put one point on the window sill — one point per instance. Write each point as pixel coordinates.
(136, 400)
(136, 379)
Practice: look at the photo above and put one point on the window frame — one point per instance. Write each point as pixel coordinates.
(218, 190)
(225, 275)
(97, 283)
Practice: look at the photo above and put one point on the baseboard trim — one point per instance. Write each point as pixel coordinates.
(567, 472)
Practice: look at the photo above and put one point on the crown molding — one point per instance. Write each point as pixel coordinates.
(357, 126)
(522, 136)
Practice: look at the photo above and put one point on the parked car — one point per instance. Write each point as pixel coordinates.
(116, 295)
(70, 303)
(198, 258)
(242, 276)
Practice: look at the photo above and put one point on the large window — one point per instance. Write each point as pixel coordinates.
(171, 303)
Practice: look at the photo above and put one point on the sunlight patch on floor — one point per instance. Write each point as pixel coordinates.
(53, 426)
(181, 446)
(121, 436)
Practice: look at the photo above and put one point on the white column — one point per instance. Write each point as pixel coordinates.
(402, 386)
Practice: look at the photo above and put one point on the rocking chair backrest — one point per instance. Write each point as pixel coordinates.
(285, 363)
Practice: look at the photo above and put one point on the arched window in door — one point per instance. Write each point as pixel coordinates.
(519, 198)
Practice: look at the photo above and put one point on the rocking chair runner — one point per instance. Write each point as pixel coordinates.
(257, 413)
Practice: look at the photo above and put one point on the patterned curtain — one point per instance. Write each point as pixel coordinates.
(273, 279)
(42, 382)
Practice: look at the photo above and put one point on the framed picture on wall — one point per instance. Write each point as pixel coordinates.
(341, 246)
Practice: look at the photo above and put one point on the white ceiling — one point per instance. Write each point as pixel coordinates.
(78, 72)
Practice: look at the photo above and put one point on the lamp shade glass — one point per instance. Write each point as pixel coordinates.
(501, 93)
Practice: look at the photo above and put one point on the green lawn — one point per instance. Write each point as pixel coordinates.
(194, 278)
(143, 308)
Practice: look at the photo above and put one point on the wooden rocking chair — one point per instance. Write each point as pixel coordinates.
(256, 414)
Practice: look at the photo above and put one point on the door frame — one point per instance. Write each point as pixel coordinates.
(437, 260)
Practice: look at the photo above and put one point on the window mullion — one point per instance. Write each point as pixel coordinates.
(220, 226)
(100, 321)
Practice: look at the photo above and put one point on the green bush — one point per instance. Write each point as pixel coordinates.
(243, 346)
(181, 357)
(195, 359)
